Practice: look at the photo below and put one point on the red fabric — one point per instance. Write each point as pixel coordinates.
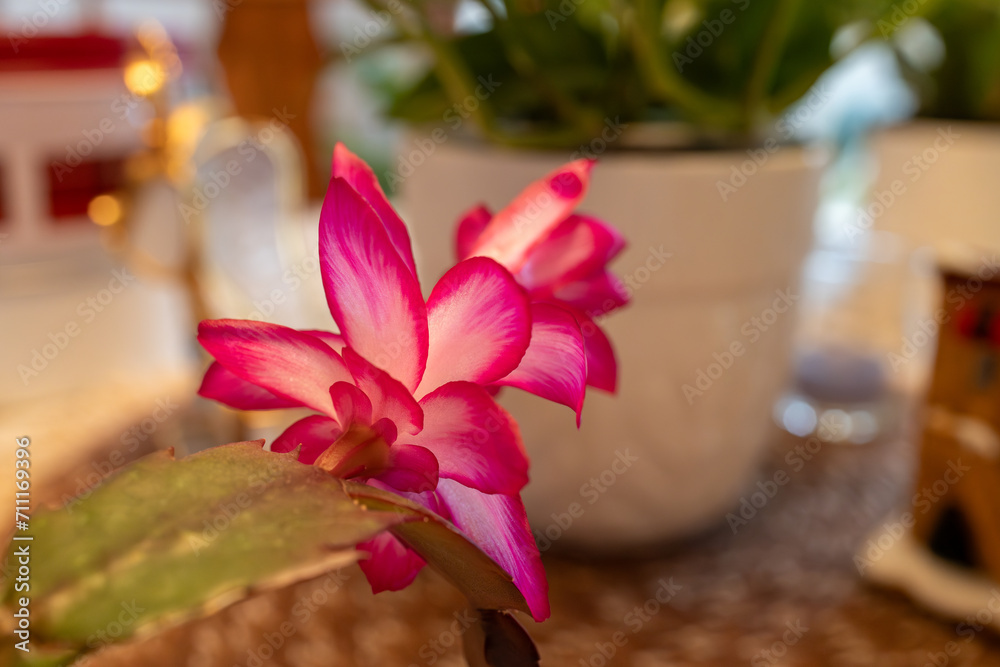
(72, 187)
(88, 51)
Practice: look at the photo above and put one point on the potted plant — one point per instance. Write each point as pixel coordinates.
(929, 186)
(686, 104)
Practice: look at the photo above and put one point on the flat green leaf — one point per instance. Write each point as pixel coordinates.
(167, 539)
(438, 542)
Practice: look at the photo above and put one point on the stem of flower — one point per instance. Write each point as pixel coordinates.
(667, 84)
(772, 43)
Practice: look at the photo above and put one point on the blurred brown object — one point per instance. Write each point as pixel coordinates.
(271, 62)
(963, 425)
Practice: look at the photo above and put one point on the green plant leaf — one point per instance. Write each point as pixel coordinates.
(165, 540)
(966, 85)
(726, 67)
(438, 542)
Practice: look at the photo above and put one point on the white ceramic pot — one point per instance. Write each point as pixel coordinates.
(934, 184)
(656, 461)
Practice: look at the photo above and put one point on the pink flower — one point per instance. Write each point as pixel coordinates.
(560, 258)
(399, 392)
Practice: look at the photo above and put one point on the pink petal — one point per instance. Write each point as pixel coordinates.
(470, 226)
(411, 468)
(479, 325)
(576, 249)
(230, 389)
(474, 440)
(555, 365)
(373, 296)
(386, 430)
(351, 168)
(599, 294)
(335, 341)
(315, 433)
(602, 369)
(389, 398)
(350, 405)
(286, 362)
(498, 525)
(533, 214)
(392, 566)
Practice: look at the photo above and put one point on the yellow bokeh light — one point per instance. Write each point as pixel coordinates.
(144, 77)
(186, 123)
(104, 210)
(185, 126)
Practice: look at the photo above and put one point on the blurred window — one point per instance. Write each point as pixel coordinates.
(72, 188)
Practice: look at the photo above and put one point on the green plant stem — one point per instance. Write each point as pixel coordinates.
(456, 78)
(524, 64)
(458, 82)
(791, 92)
(772, 44)
(667, 84)
(925, 8)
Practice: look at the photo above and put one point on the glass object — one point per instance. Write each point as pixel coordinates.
(865, 340)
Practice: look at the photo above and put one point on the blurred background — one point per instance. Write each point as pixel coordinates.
(795, 181)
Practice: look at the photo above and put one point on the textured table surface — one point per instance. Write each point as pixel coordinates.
(783, 590)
